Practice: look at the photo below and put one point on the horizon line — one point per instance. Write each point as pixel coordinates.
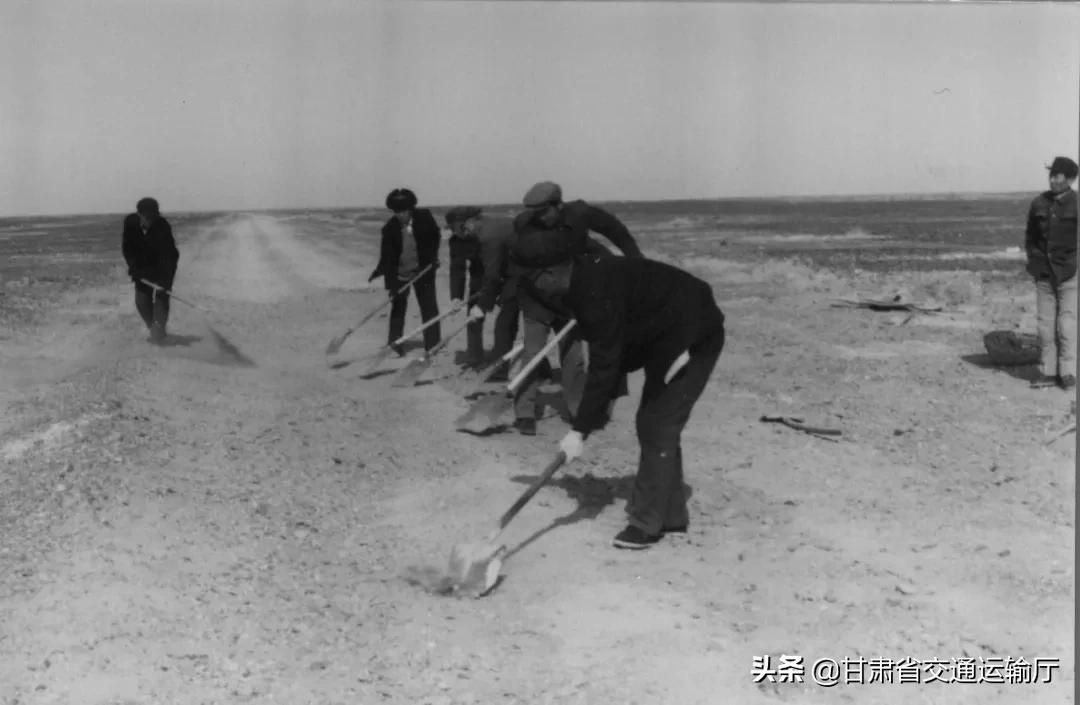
(917, 195)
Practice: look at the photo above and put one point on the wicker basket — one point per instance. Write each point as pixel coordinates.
(1009, 348)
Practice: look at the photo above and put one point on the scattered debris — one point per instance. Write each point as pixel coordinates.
(896, 303)
(828, 434)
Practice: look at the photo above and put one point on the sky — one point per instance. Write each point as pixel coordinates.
(250, 104)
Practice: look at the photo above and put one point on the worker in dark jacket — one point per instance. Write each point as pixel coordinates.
(550, 231)
(467, 263)
(410, 242)
(1050, 240)
(493, 233)
(151, 254)
(640, 314)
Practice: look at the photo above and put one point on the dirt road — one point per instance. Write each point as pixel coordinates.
(179, 529)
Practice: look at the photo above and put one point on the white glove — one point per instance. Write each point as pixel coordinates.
(456, 303)
(573, 445)
(476, 313)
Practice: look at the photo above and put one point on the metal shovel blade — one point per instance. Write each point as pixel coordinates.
(337, 342)
(485, 413)
(408, 375)
(375, 362)
(474, 568)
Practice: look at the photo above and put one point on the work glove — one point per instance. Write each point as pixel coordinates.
(476, 313)
(573, 445)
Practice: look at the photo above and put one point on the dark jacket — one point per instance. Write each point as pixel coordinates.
(151, 255)
(1050, 238)
(494, 236)
(635, 313)
(466, 259)
(428, 238)
(569, 238)
(536, 245)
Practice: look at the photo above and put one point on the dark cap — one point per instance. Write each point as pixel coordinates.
(401, 199)
(1063, 165)
(459, 214)
(542, 194)
(147, 206)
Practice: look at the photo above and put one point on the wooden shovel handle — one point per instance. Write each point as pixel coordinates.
(531, 365)
(390, 299)
(428, 324)
(446, 339)
(554, 465)
(163, 290)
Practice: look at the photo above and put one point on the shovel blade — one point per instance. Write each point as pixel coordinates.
(484, 414)
(474, 568)
(411, 373)
(375, 362)
(336, 343)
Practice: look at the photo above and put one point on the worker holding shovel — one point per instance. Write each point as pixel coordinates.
(672, 328)
(150, 251)
(491, 233)
(467, 263)
(548, 231)
(410, 243)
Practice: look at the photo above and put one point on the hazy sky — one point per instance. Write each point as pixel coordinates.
(235, 104)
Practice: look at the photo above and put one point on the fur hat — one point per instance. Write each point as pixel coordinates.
(1063, 165)
(401, 199)
(147, 206)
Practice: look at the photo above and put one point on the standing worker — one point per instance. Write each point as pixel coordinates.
(1050, 241)
(671, 328)
(410, 242)
(467, 262)
(550, 231)
(492, 234)
(150, 252)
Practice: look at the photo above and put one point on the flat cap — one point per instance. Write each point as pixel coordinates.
(459, 214)
(1063, 165)
(542, 194)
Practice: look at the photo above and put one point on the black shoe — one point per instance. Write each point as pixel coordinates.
(1067, 382)
(674, 529)
(634, 538)
(399, 349)
(1044, 382)
(526, 427)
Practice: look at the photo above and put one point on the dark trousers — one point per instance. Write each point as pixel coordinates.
(424, 290)
(474, 335)
(153, 309)
(506, 327)
(658, 499)
(535, 338)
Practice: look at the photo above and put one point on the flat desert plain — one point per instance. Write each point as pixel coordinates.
(181, 528)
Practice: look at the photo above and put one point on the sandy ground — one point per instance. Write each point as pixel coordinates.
(180, 529)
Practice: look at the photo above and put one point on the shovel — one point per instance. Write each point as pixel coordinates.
(474, 567)
(486, 412)
(375, 361)
(410, 374)
(488, 373)
(337, 342)
(223, 344)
